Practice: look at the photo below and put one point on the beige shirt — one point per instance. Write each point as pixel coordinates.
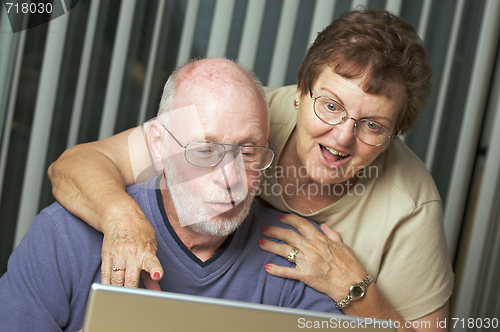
(392, 219)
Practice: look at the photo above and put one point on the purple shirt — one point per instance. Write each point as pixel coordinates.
(49, 274)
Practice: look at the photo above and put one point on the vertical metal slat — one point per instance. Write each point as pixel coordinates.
(7, 129)
(221, 26)
(188, 32)
(322, 17)
(151, 62)
(394, 6)
(356, 3)
(83, 72)
(443, 86)
(254, 16)
(118, 64)
(424, 18)
(283, 44)
(8, 45)
(42, 121)
(471, 123)
(484, 218)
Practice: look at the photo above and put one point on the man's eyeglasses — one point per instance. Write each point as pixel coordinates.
(367, 131)
(208, 154)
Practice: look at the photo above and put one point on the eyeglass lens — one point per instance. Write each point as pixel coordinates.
(250, 158)
(368, 131)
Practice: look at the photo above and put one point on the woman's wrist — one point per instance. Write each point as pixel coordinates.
(355, 274)
(374, 305)
(123, 212)
(356, 292)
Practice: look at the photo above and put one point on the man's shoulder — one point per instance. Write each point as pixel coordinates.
(58, 215)
(61, 221)
(55, 208)
(264, 211)
(141, 190)
(57, 232)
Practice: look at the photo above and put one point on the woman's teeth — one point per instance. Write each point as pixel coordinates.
(336, 153)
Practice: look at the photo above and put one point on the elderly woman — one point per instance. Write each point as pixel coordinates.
(340, 163)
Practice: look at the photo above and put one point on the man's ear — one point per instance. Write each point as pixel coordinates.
(155, 134)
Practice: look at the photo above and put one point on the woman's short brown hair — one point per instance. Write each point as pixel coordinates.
(379, 46)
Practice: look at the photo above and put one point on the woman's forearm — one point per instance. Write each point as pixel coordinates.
(375, 305)
(90, 179)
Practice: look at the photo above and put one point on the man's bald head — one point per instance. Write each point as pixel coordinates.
(217, 77)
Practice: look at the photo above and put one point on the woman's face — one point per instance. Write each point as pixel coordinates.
(333, 154)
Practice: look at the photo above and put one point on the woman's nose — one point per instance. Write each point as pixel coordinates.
(344, 132)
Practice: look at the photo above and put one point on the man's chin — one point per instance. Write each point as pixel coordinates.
(223, 223)
(216, 226)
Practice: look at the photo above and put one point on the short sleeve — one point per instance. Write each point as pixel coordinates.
(416, 275)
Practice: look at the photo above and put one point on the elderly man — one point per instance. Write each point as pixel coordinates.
(210, 142)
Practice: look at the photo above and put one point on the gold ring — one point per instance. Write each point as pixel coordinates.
(293, 255)
(117, 268)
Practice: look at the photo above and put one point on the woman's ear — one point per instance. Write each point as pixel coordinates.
(155, 134)
(296, 99)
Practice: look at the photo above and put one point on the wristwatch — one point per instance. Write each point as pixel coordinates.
(356, 292)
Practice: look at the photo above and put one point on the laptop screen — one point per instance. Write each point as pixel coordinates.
(113, 308)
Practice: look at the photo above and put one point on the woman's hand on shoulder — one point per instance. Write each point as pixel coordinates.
(323, 261)
(129, 247)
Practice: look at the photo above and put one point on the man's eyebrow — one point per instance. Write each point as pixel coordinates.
(251, 140)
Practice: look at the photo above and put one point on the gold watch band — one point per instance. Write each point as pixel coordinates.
(342, 304)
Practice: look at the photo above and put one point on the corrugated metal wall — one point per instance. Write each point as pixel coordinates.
(99, 69)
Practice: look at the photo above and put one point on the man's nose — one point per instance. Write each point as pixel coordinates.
(227, 173)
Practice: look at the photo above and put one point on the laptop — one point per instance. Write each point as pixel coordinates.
(114, 308)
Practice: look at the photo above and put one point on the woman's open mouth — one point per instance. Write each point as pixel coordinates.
(332, 156)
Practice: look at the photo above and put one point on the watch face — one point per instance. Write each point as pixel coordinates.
(357, 292)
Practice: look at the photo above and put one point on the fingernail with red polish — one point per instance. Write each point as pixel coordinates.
(265, 228)
(281, 217)
(267, 267)
(262, 242)
(156, 275)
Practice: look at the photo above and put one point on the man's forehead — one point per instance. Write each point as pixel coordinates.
(192, 124)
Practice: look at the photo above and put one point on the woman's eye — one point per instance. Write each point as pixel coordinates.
(332, 107)
(372, 125)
